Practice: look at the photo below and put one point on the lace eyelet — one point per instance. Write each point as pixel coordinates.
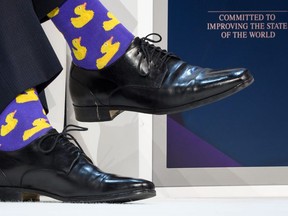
(144, 74)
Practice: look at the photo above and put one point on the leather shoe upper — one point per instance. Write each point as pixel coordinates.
(149, 78)
(54, 165)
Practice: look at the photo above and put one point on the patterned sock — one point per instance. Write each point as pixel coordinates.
(95, 36)
(23, 121)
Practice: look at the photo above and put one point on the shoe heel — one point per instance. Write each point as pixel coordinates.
(15, 195)
(95, 114)
(8, 195)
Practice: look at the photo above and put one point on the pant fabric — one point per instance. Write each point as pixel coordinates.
(27, 59)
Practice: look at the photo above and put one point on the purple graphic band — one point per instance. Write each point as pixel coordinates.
(186, 150)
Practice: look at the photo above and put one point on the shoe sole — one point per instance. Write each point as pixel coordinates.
(108, 113)
(8, 194)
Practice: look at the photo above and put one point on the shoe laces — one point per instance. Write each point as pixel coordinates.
(152, 52)
(65, 139)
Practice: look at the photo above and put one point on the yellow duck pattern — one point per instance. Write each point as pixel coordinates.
(84, 16)
(53, 13)
(112, 23)
(28, 96)
(39, 125)
(11, 124)
(109, 50)
(79, 50)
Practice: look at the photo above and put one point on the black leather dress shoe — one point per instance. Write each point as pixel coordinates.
(52, 166)
(150, 80)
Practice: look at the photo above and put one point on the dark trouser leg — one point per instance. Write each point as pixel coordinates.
(27, 58)
(43, 7)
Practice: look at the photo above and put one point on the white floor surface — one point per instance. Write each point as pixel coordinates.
(156, 206)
